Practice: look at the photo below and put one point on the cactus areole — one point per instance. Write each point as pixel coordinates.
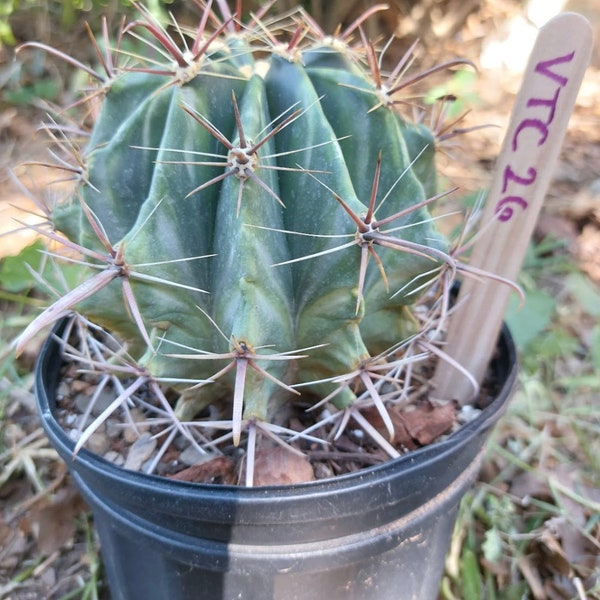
(252, 208)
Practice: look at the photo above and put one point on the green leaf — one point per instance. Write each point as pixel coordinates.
(46, 89)
(470, 575)
(492, 546)
(14, 274)
(595, 347)
(462, 86)
(585, 292)
(530, 320)
(555, 343)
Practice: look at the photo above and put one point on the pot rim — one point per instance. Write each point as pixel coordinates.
(50, 358)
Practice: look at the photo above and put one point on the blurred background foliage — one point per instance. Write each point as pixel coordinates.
(32, 79)
(442, 18)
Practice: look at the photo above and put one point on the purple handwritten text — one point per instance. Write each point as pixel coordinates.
(537, 124)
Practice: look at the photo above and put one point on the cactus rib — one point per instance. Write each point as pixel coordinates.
(257, 209)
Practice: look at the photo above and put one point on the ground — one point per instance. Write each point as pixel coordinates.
(530, 527)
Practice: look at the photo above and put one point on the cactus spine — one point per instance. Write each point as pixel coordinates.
(256, 219)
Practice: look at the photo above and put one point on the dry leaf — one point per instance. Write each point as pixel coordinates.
(589, 251)
(419, 426)
(278, 466)
(13, 546)
(427, 421)
(53, 521)
(220, 469)
(553, 554)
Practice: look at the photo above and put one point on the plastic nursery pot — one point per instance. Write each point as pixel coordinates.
(379, 533)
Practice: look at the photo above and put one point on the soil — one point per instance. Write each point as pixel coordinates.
(134, 436)
(48, 549)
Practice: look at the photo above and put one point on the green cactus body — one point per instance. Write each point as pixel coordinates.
(420, 141)
(223, 274)
(386, 321)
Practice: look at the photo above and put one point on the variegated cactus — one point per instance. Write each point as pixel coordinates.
(253, 212)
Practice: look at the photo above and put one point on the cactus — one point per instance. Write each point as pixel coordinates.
(253, 214)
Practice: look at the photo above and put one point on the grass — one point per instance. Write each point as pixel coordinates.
(531, 526)
(49, 548)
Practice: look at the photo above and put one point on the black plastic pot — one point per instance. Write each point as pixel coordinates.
(376, 534)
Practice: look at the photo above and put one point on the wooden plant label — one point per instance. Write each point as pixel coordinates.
(523, 172)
